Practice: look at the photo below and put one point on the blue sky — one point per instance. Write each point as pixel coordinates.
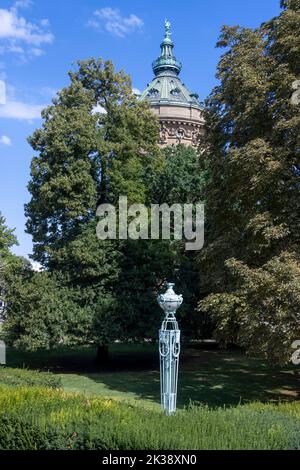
(41, 39)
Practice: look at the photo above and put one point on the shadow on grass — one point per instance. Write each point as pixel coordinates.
(207, 376)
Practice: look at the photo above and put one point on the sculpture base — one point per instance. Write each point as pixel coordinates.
(169, 350)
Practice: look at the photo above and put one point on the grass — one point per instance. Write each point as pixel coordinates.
(35, 418)
(207, 375)
(31, 378)
(244, 403)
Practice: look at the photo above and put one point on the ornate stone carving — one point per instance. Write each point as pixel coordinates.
(179, 132)
(163, 134)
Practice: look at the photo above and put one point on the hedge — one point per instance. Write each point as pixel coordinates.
(35, 418)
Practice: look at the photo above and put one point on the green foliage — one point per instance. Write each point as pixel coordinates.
(9, 263)
(42, 312)
(64, 175)
(179, 180)
(265, 304)
(39, 419)
(7, 237)
(97, 142)
(86, 157)
(250, 265)
(28, 378)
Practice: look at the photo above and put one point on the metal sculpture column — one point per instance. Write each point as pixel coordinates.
(169, 349)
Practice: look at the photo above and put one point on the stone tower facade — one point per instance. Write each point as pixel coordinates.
(179, 111)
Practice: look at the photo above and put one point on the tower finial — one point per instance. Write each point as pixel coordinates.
(168, 29)
(167, 62)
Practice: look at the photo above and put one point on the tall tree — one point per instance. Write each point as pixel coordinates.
(250, 265)
(96, 143)
(95, 140)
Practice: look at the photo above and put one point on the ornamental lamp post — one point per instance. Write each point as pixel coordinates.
(169, 349)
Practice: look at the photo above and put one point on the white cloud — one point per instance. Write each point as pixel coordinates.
(22, 4)
(36, 51)
(4, 140)
(136, 91)
(111, 20)
(48, 91)
(2, 92)
(45, 22)
(21, 111)
(12, 47)
(17, 28)
(16, 33)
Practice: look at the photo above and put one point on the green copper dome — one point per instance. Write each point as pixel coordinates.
(166, 87)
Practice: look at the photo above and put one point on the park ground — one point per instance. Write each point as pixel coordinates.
(207, 375)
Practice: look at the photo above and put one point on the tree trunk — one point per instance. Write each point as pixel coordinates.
(102, 354)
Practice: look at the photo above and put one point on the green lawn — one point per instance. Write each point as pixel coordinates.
(206, 374)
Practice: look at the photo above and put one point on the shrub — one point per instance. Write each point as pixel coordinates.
(24, 377)
(35, 418)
